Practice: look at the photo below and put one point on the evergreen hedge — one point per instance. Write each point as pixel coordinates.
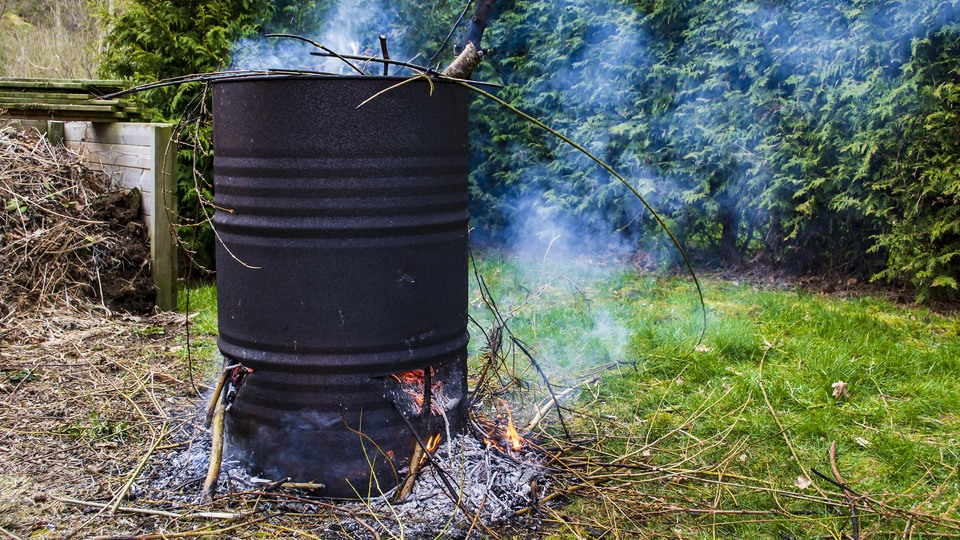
(818, 136)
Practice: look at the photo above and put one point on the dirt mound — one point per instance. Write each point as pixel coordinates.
(67, 234)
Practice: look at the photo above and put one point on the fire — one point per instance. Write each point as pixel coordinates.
(433, 442)
(411, 377)
(510, 434)
(504, 437)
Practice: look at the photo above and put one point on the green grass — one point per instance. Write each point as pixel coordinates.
(202, 353)
(702, 410)
(202, 300)
(698, 442)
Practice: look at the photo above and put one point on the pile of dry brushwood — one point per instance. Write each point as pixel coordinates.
(68, 237)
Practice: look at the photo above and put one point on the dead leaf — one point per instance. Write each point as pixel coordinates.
(803, 482)
(840, 390)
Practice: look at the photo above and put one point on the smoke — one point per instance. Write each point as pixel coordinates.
(701, 134)
(598, 338)
(550, 199)
(349, 27)
(539, 228)
(562, 208)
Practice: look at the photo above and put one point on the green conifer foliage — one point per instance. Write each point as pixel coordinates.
(822, 137)
(818, 136)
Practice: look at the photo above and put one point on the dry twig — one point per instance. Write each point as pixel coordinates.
(216, 453)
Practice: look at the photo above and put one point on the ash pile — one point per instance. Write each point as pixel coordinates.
(466, 486)
(68, 236)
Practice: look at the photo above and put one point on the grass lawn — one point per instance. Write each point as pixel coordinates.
(667, 437)
(719, 439)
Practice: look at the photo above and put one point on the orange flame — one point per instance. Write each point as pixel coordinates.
(505, 438)
(412, 377)
(510, 434)
(433, 442)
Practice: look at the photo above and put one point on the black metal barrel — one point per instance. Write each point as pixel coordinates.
(341, 264)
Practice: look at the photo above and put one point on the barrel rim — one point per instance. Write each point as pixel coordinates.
(326, 77)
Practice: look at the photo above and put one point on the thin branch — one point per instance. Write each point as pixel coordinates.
(546, 381)
(854, 521)
(321, 47)
(385, 53)
(615, 174)
(466, 8)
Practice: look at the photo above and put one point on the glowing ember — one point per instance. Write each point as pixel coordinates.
(411, 382)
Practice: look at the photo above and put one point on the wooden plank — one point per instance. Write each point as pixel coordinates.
(45, 96)
(17, 102)
(128, 177)
(117, 155)
(148, 202)
(111, 108)
(132, 177)
(102, 86)
(163, 248)
(66, 116)
(139, 134)
(55, 133)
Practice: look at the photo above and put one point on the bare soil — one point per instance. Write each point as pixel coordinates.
(82, 398)
(102, 436)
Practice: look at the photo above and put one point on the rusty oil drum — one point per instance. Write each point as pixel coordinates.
(341, 262)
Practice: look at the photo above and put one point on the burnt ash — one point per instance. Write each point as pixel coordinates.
(486, 481)
(489, 482)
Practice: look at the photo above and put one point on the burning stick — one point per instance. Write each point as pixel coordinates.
(443, 474)
(416, 461)
(504, 438)
(216, 454)
(217, 390)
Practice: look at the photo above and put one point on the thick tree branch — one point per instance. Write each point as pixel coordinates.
(478, 23)
(464, 64)
(469, 52)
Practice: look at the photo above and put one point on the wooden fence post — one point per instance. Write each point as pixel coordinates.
(163, 247)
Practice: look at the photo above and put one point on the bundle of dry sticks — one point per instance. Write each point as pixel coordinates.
(67, 235)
